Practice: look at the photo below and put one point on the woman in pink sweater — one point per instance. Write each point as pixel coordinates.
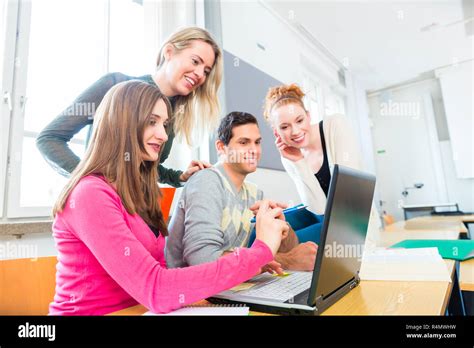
(109, 229)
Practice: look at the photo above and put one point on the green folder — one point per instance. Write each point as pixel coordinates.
(460, 249)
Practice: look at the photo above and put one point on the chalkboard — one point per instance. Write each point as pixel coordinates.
(245, 90)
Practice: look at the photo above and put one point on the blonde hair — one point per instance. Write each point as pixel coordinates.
(116, 151)
(199, 111)
(282, 95)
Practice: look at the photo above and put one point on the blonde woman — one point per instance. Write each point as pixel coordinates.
(309, 151)
(110, 232)
(189, 73)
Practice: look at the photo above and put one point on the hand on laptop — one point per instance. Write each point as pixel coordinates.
(270, 228)
(301, 258)
(272, 267)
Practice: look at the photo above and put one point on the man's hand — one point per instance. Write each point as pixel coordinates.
(272, 204)
(269, 228)
(289, 242)
(300, 258)
(193, 167)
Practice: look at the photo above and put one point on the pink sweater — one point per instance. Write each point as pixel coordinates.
(109, 260)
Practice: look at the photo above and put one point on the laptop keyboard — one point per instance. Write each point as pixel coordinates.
(279, 288)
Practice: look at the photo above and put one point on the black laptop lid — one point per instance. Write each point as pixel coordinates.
(344, 230)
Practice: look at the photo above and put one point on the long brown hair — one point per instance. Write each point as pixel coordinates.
(116, 151)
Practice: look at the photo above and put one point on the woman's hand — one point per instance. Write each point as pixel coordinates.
(289, 152)
(271, 229)
(193, 167)
(272, 204)
(272, 267)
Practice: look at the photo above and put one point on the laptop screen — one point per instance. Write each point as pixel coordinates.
(344, 230)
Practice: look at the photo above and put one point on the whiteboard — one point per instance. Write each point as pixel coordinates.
(245, 90)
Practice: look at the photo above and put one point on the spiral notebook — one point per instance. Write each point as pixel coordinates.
(208, 309)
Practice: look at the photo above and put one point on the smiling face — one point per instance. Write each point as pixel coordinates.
(292, 124)
(187, 70)
(244, 149)
(154, 135)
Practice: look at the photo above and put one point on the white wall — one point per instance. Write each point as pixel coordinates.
(411, 148)
(244, 24)
(460, 191)
(276, 185)
(457, 85)
(358, 108)
(287, 57)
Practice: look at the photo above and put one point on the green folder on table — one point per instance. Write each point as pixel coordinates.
(460, 249)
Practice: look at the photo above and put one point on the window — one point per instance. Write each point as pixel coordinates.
(312, 98)
(127, 42)
(57, 58)
(7, 47)
(334, 103)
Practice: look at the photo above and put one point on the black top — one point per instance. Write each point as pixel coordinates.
(324, 174)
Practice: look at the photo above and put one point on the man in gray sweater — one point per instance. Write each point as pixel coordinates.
(213, 214)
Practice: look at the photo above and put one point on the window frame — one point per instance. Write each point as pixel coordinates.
(14, 81)
(8, 43)
(16, 67)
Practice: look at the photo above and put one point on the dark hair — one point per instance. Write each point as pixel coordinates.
(233, 119)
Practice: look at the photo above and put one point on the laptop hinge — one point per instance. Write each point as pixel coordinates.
(352, 283)
(319, 301)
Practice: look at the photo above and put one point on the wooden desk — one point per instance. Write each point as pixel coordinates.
(449, 218)
(466, 275)
(437, 227)
(395, 298)
(389, 238)
(377, 298)
(384, 297)
(427, 224)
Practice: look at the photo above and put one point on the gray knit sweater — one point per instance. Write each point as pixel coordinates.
(210, 218)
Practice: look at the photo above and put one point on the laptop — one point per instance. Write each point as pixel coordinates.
(338, 261)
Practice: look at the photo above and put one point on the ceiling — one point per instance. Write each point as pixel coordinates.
(381, 41)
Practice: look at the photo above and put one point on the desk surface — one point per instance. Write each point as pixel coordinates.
(447, 218)
(395, 298)
(384, 297)
(430, 224)
(466, 275)
(377, 298)
(435, 227)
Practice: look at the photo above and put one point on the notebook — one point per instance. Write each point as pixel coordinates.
(423, 264)
(208, 309)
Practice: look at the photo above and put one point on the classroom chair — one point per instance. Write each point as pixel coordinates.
(27, 285)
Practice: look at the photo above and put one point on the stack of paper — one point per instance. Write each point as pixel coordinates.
(207, 310)
(423, 264)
